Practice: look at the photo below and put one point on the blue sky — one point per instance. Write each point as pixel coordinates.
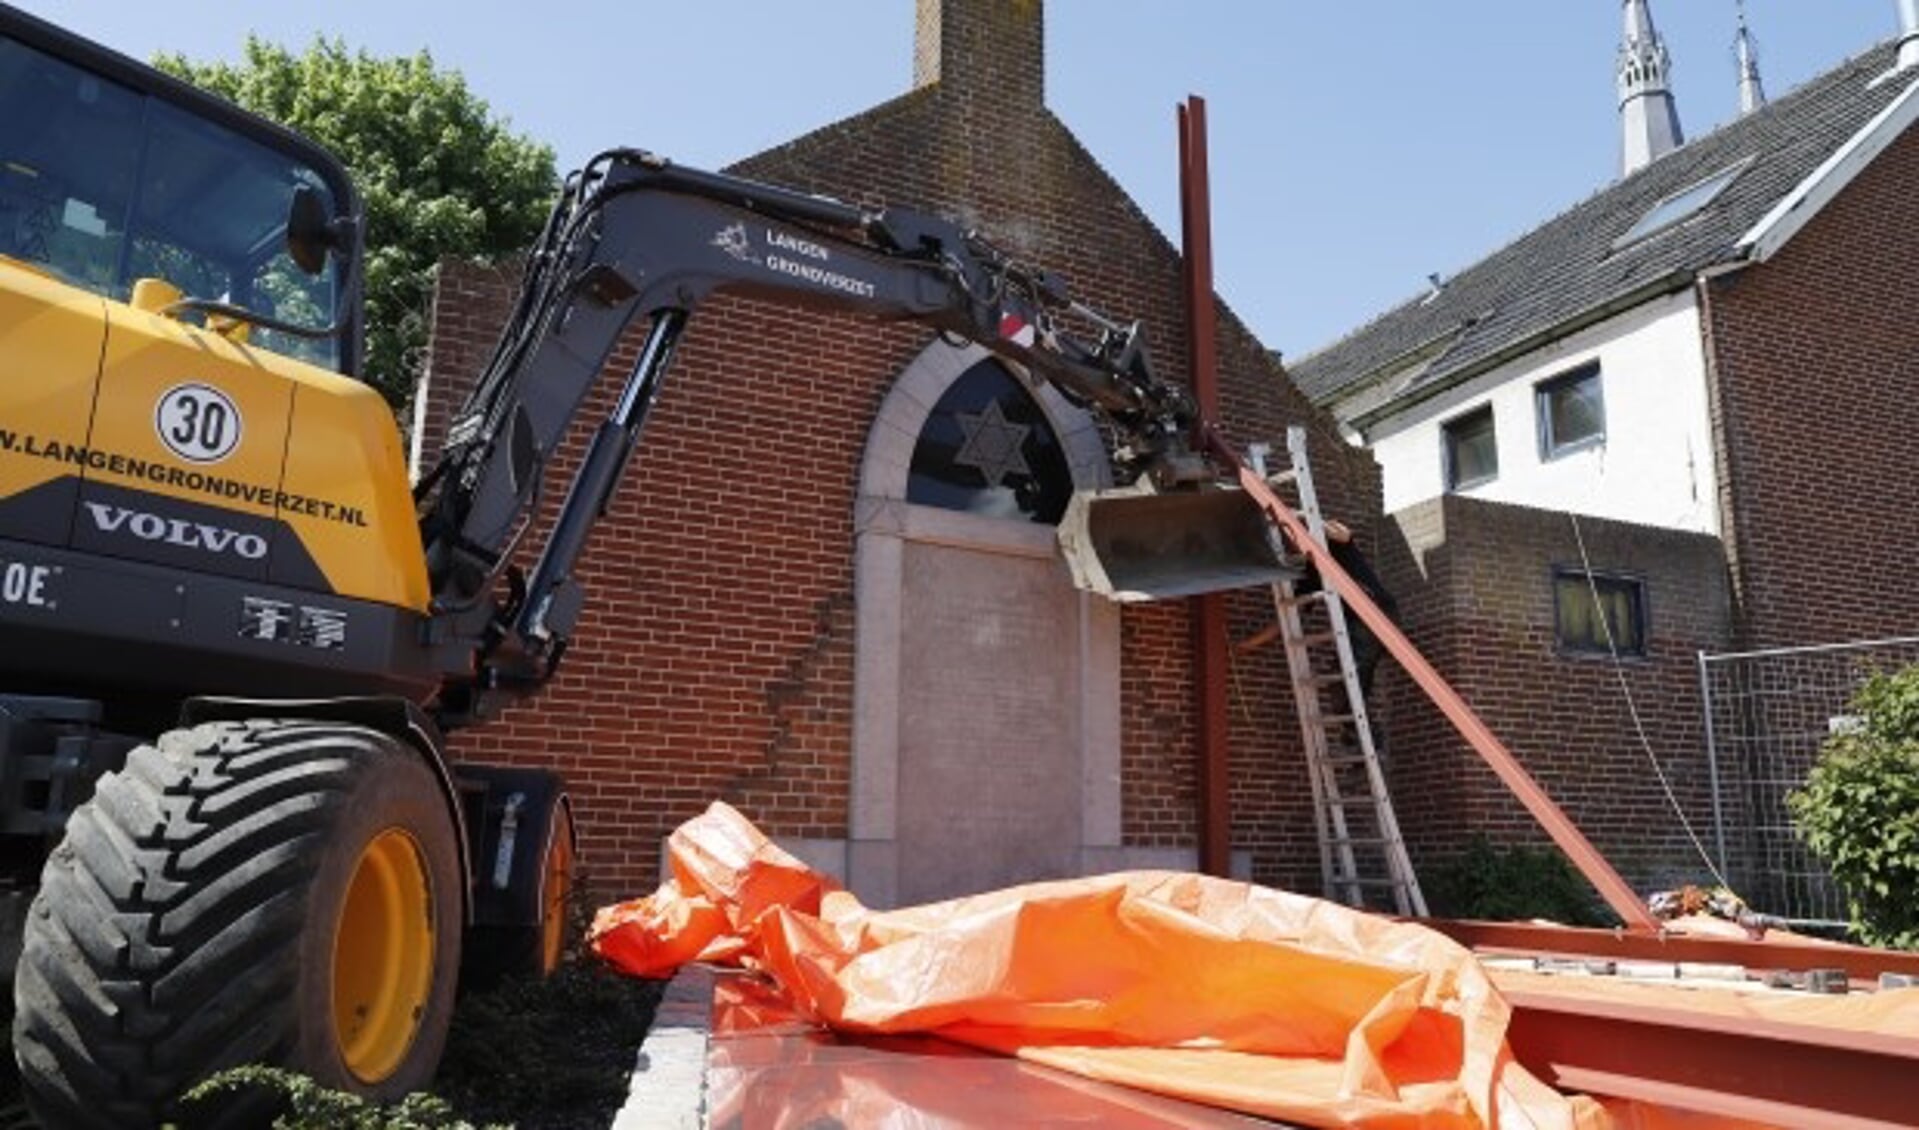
(1355, 147)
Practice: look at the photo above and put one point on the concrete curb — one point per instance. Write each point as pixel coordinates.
(668, 1091)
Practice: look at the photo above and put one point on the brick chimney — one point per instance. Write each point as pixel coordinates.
(989, 50)
(988, 144)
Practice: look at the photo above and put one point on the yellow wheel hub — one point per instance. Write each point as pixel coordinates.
(383, 956)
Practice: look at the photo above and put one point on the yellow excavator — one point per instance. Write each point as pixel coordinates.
(234, 632)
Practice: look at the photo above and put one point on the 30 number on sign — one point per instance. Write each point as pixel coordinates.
(197, 422)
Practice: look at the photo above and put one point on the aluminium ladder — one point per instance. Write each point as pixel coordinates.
(1362, 856)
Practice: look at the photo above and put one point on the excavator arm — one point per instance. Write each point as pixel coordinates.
(636, 237)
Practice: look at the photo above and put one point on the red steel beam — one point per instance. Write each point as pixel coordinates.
(1772, 954)
(1767, 1071)
(1208, 612)
(1551, 817)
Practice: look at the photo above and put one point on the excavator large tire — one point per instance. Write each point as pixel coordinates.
(281, 892)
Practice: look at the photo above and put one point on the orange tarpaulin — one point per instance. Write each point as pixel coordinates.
(1226, 993)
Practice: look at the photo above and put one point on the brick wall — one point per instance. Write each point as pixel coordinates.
(714, 658)
(1474, 583)
(1815, 362)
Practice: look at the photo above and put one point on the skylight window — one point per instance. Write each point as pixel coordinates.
(1681, 205)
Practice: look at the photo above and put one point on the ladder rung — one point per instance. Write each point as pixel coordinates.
(1257, 640)
(1358, 841)
(1362, 800)
(1327, 680)
(1363, 806)
(1316, 639)
(1343, 760)
(1365, 831)
(1367, 881)
(1314, 597)
(1330, 720)
(1281, 478)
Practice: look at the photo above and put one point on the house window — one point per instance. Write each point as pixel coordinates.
(1472, 456)
(1599, 613)
(1572, 412)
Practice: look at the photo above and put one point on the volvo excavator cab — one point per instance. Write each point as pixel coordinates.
(205, 527)
(134, 197)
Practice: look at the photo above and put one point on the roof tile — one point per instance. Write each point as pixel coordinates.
(1569, 266)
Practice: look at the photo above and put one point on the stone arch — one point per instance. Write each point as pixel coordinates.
(889, 446)
(886, 529)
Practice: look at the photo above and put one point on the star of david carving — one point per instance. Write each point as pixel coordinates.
(992, 444)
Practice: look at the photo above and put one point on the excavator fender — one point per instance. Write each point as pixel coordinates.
(395, 717)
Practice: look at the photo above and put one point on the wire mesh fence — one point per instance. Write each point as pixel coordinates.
(1767, 714)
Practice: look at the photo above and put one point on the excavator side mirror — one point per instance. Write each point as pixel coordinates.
(311, 233)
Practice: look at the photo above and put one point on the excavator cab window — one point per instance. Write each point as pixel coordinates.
(103, 184)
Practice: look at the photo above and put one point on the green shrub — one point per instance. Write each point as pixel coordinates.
(1514, 883)
(537, 1053)
(552, 1052)
(1859, 810)
(307, 1105)
(562, 1045)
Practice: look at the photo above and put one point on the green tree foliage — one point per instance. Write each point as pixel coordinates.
(439, 174)
(1859, 810)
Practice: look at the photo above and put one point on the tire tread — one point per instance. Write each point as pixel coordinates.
(172, 909)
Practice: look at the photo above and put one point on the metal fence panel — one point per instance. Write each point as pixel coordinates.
(1767, 714)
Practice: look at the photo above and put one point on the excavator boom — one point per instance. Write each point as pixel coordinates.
(636, 237)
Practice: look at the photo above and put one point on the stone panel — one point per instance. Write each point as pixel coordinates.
(989, 761)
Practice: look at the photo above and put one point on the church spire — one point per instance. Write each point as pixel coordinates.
(1752, 92)
(1649, 120)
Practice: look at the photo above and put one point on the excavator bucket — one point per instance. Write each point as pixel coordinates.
(1138, 544)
